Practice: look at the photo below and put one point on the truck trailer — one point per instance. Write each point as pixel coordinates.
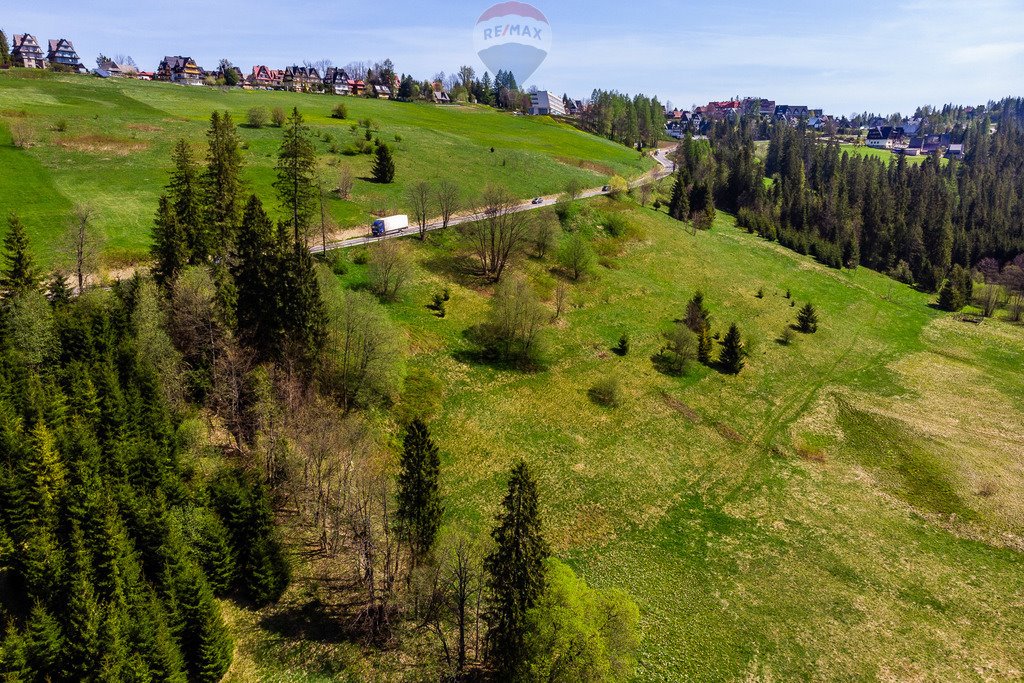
(389, 225)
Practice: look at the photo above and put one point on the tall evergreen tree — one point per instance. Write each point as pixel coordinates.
(698, 319)
(419, 493)
(296, 182)
(170, 244)
(731, 358)
(19, 272)
(515, 572)
(383, 165)
(5, 52)
(185, 193)
(679, 208)
(222, 182)
(257, 265)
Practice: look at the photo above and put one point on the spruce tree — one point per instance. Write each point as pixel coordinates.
(515, 572)
(19, 272)
(5, 59)
(58, 291)
(807, 319)
(679, 208)
(170, 244)
(384, 165)
(5, 52)
(303, 311)
(950, 298)
(419, 493)
(731, 358)
(185, 193)
(698, 319)
(257, 265)
(296, 182)
(43, 643)
(222, 182)
(204, 637)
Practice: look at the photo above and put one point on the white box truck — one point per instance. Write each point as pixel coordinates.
(389, 226)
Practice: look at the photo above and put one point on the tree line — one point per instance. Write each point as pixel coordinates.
(916, 222)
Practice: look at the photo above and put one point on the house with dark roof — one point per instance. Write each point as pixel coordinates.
(25, 52)
(301, 78)
(925, 145)
(791, 112)
(62, 53)
(179, 69)
(886, 137)
(336, 80)
(955, 151)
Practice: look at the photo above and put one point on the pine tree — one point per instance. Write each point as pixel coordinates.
(185, 193)
(807, 319)
(222, 182)
(679, 208)
(384, 165)
(5, 52)
(515, 571)
(419, 493)
(19, 273)
(698, 319)
(731, 358)
(296, 182)
(170, 245)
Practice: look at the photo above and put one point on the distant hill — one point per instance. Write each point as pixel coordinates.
(107, 143)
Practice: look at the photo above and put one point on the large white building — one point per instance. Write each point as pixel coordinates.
(543, 103)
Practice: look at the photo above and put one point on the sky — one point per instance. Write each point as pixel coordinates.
(871, 55)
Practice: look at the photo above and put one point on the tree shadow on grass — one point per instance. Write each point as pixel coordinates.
(313, 621)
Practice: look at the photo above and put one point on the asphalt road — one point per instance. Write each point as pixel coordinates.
(661, 156)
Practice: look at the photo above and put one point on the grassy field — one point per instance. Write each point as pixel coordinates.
(883, 154)
(108, 143)
(848, 508)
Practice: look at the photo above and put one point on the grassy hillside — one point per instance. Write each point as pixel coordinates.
(108, 143)
(883, 154)
(848, 508)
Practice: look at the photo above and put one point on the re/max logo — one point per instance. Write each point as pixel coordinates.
(512, 30)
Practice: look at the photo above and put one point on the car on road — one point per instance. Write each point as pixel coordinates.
(538, 200)
(606, 188)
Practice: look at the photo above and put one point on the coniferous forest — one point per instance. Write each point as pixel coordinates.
(917, 222)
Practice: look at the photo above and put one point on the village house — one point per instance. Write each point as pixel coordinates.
(265, 78)
(108, 68)
(382, 92)
(544, 103)
(356, 87)
(25, 52)
(438, 95)
(886, 137)
(179, 69)
(301, 78)
(62, 53)
(336, 81)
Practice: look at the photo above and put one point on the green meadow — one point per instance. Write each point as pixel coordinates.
(847, 508)
(107, 143)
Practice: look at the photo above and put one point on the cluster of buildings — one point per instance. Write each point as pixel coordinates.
(27, 53)
(679, 122)
(903, 140)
